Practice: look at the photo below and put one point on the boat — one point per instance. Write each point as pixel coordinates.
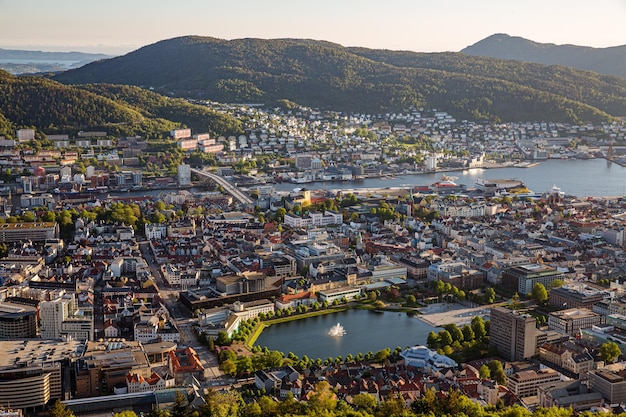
(446, 185)
(526, 164)
(445, 181)
(487, 184)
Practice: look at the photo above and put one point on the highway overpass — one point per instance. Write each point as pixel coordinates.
(231, 189)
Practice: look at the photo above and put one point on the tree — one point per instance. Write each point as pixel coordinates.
(226, 355)
(382, 355)
(280, 215)
(478, 326)
(410, 300)
(468, 333)
(497, 371)
(490, 295)
(365, 402)
(60, 410)
(273, 359)
(28, 217)
(609, 352)
(126, 413)
(223, 404)
(181, 405)
(49, 216)
(539, 293)
(323, 399)
(455, 332)
(223, 339)
(445, 339)
(557, 283)
(228, 367)
(159, 205)
(485, 372)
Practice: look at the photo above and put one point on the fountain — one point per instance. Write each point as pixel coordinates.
(337, 330)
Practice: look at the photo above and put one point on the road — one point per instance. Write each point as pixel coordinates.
(228, 187)
(183, 321)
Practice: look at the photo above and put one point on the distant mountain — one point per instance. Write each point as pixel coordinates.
(30, 62)
(53, 107)
(611, 61)
(329, 76)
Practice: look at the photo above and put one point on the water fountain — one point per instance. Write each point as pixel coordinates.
(337, 330)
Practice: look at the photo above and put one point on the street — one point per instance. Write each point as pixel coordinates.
(183, 320)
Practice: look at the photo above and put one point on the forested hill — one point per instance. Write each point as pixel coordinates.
(610, 61)
(326, 75)
(53, 107)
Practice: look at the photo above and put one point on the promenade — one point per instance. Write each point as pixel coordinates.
(440, 314)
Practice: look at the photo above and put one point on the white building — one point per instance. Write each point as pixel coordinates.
(184, 175)
(423, 358)
(156, 327)
(252, 309)
(155, 231)
(137, 383)
(25, 135)
(314, 219)
(431, 163)
(61, 318)
(52, 315)
(339, 293)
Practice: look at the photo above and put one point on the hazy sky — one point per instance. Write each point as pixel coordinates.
(116, 26)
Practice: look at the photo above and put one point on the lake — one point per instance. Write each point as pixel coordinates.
(365, 331)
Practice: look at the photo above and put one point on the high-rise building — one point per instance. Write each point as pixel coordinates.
(184, 175)
(60, 318)
(513, 333)
(52, 315)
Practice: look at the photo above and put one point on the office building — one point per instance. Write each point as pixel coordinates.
(609, 383)
(522, 278)
(31, 374)
(573, 320)
(17, 321)
(513, 333)
(60, 318)
(525, 383)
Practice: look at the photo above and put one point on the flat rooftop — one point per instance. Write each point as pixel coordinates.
(34, 225)
(37, 351)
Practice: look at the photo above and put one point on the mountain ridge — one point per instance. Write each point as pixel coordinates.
(325, 75)
(610, 60)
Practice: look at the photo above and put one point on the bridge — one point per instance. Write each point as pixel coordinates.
(227, 186)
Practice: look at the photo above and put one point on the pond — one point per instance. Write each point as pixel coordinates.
(365, 331)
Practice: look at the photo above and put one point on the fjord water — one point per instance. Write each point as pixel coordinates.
(365, 331)
(579, 177)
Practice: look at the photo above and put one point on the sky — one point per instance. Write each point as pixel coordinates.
(117, 27)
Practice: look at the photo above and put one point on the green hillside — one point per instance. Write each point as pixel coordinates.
(53, 107)
(199, 118)
(329, 76)
(606, 92)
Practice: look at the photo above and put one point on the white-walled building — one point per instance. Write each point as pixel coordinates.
(184, 175)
